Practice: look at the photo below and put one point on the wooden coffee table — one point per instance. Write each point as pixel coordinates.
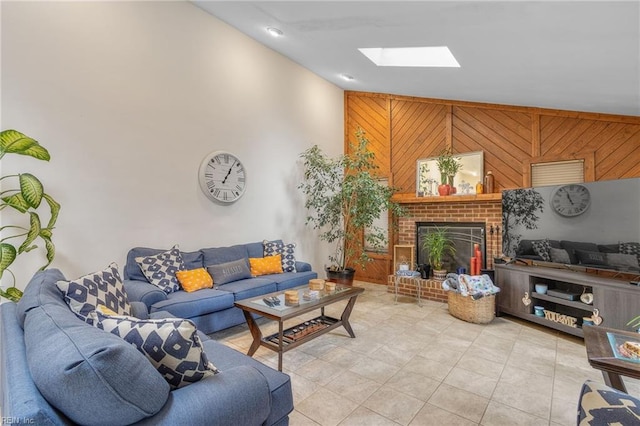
(601, 356)
(285, 340)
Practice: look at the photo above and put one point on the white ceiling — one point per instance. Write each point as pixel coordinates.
(574, 55)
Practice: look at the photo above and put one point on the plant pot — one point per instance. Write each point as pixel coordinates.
(439, 274)
(344, 277)
(444, 189)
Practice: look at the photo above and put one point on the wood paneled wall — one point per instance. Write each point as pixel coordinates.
(404, 129)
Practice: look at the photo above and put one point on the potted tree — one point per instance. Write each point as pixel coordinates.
(343, 198)
(437, 244)
(24, 197)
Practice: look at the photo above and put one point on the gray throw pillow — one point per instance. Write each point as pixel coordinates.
(591, 257)
(229, 271)
(559, 255)
(622, 261)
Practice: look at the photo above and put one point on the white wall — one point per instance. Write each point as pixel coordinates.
(128, 97)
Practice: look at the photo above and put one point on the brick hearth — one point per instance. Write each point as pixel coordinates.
(484, 208)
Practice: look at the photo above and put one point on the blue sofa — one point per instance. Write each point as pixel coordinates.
(210, 309)
(91, 376)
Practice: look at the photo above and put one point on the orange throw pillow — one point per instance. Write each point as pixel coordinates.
(195, 279)
(266, 265)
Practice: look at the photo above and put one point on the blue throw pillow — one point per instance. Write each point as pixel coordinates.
(229, 272)
(91, 376)
(286, 252)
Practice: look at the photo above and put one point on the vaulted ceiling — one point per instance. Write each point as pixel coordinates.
(574, 55)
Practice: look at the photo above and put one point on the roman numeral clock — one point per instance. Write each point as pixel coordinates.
(222, 177)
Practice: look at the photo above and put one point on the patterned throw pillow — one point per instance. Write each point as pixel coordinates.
(286, 251)
(265, 265)
(171, 345)
(195, 279)
(630, 248)
(99, 288)
(161, 269)
(542, 248)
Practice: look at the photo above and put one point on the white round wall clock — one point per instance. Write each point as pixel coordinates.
(570, 200)
(222, 177)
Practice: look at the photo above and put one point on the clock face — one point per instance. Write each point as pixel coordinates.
(222, 177)
(571, 200)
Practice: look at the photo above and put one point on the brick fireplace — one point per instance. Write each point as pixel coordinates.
(485, 208)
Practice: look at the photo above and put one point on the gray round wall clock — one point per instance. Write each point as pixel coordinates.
(570, 200)
(222, 177)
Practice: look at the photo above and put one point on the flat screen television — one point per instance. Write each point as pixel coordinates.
(586, 226)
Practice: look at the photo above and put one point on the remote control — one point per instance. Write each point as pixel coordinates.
(268, 302)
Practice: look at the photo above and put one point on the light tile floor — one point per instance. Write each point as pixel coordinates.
(411, 365)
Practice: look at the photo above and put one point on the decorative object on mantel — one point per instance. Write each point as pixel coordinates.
(437, 244)
(469, 171)
(489, 183)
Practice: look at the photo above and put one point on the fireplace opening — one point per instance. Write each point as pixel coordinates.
(463, 235)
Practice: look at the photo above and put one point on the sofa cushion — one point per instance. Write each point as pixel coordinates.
(289, 280)
(224, 273)
(41, 290)
(572, 246)
(192, 260)
(279, 383)
(609, 248)
(171, 345)
(286, 252)
(182, 304)
(99, 288)
(255, 249)
(160, 269)
(265, 265)
(252, 287)
(218, 255)
(93, 377)
(194, 280)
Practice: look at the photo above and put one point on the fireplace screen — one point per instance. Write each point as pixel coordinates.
(463, 235)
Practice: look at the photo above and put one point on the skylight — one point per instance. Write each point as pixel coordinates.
(434, 56)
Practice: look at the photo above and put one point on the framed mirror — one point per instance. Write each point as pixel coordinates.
(471, 172)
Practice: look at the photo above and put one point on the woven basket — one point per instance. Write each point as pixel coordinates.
(479, 311)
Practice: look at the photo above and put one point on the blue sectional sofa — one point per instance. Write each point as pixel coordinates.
(95, 377)
(210, 309)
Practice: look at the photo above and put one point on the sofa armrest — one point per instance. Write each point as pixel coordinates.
(303, 266)
(602, 405)
(139, 310)
(237, 396)
(145, 292)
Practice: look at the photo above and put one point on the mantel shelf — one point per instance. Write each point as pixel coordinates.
(408, 198)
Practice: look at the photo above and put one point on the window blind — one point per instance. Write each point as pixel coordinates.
(557, 172)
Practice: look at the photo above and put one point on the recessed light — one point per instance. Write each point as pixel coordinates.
(434, 56)
(275, 32)
(346, 77)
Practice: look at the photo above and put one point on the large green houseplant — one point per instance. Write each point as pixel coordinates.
(343, 198)
(24, 193)
(438, 244)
